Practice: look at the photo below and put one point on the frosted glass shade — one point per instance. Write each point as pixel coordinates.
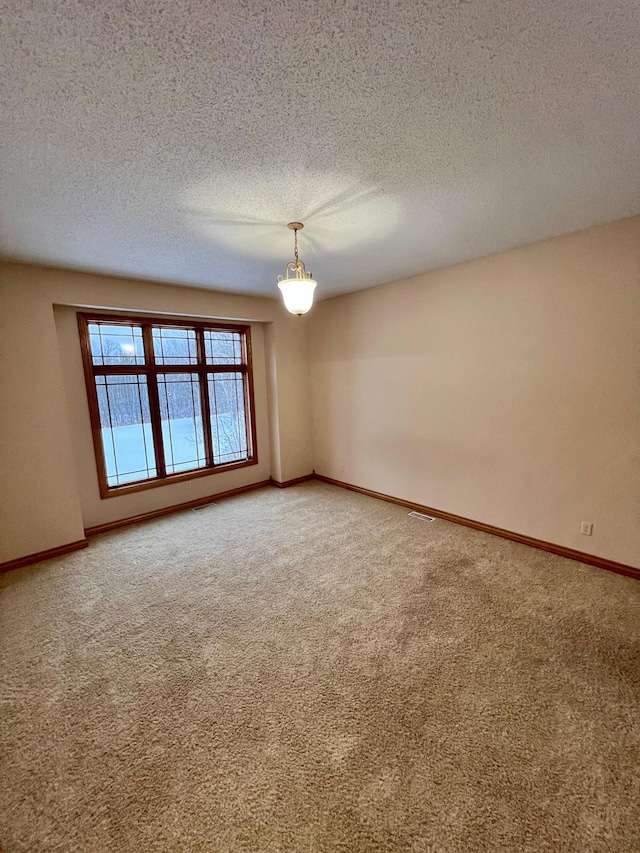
(297, 294)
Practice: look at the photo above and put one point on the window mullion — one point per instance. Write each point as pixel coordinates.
(204, 398)
(227, 368)
(154, 401)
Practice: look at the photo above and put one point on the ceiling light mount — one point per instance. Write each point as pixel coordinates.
(297, 285)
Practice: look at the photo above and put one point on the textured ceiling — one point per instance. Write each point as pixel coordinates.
(174, 140)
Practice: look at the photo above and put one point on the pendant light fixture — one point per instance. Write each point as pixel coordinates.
(296, 285)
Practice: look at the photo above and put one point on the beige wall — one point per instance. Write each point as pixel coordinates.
(39, 501)
(506, 390)
(49, 486)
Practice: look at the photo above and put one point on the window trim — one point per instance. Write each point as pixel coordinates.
(148, 322)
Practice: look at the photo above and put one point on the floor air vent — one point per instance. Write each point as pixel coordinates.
(422, 516)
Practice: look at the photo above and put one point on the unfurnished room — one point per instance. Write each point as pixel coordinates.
(320, 426)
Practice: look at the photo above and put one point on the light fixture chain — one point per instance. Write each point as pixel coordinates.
(295, 243)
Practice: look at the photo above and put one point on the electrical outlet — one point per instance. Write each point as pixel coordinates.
(187, 486)
(586, 528)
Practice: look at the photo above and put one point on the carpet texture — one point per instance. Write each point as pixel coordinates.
(313, 670)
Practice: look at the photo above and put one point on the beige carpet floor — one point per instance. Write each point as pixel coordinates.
(313, 670)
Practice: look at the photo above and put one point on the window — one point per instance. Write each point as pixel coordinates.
(168, 400)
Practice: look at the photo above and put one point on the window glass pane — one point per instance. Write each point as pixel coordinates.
(116, 344)
(228, 423)
(175, 346)
(127, 441)
(223, 347)
(125, 406)
(181, 419)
